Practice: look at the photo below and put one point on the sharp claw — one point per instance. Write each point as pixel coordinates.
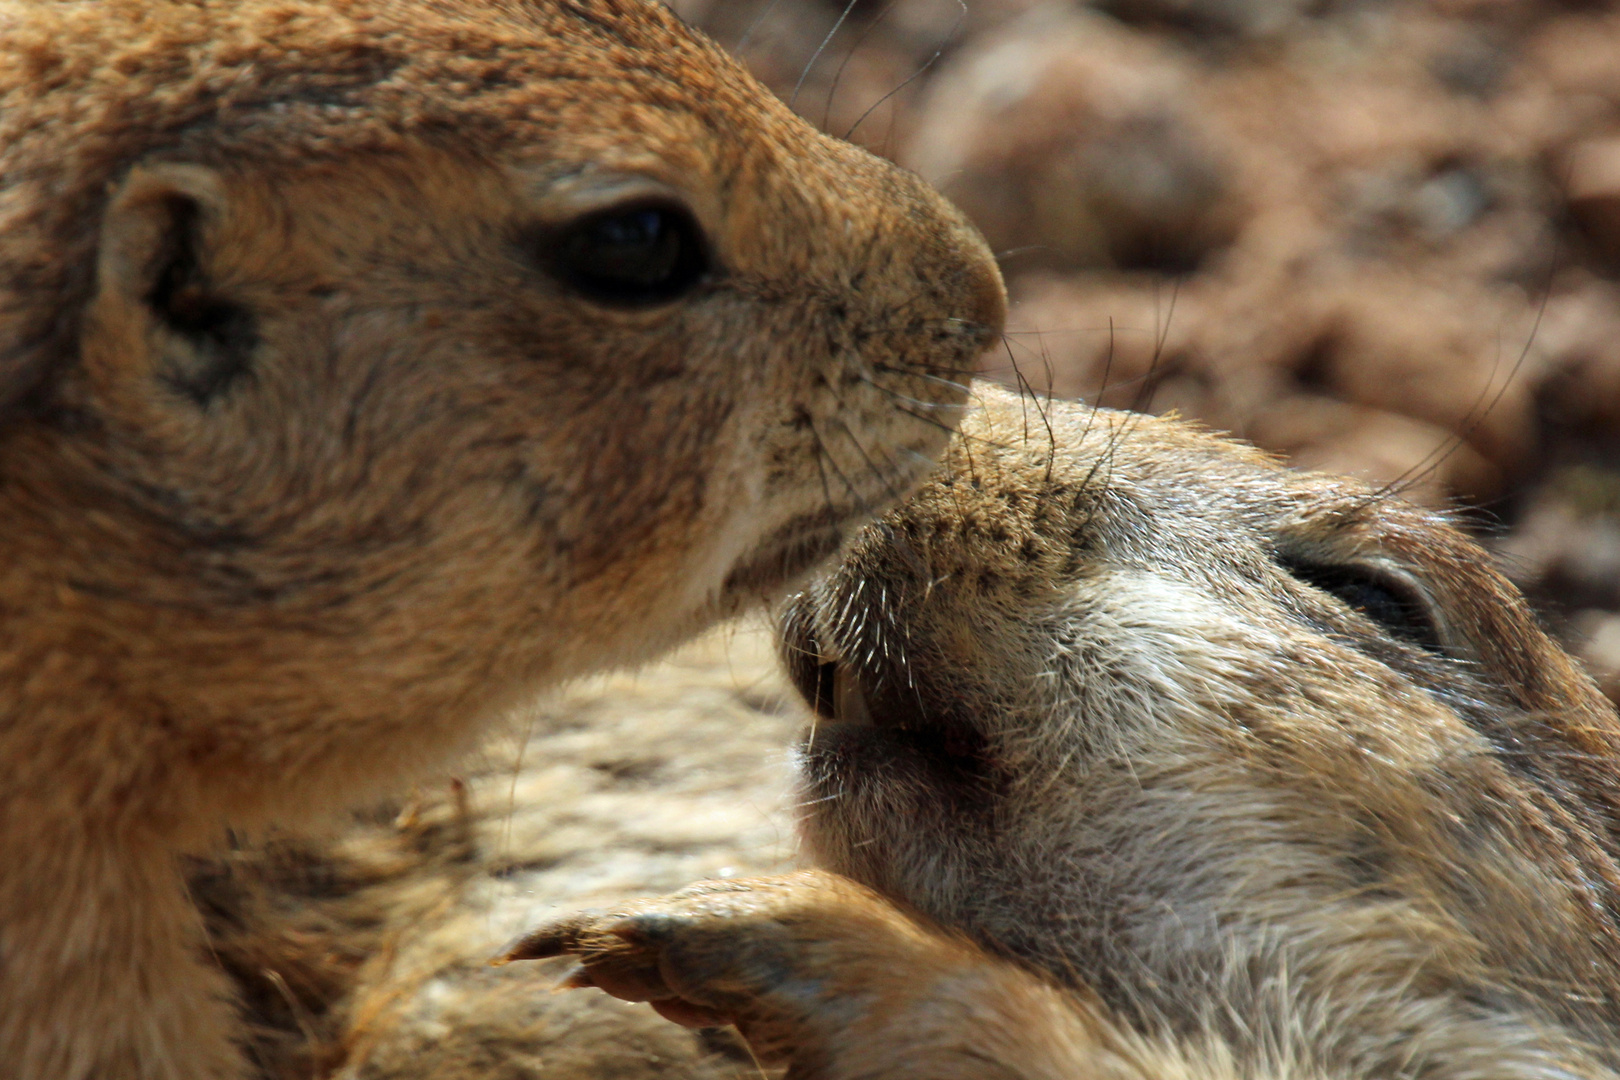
(541, 944)
(688, 1015)
(577, 977)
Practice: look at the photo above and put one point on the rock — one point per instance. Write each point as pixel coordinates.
(1237, 18)
(1566, 546)
(1593, 170)
(1075, 142)
(1579, 393)
(1463, 363)
(1596, 635)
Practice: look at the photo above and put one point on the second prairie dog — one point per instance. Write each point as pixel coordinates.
(1142, 756)
(365, 366)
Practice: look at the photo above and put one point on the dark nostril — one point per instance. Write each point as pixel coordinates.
(848, 697)
(823, 692)
(813, 676)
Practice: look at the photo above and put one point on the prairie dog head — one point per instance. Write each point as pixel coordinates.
(367, 363)
(1251, 753)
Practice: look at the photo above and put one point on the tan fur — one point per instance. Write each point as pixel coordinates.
(1094, 702)
(309, 464)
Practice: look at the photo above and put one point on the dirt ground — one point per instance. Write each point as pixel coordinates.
(1374, 236)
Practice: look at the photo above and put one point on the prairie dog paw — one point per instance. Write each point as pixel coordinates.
(799, 963)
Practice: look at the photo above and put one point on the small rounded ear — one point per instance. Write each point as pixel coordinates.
(69, 289)
(153, 311)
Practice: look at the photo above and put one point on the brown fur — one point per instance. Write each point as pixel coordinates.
(308, 464)
(1098, 712)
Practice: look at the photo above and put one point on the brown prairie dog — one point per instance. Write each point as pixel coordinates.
(1142, 756)
(366, 366)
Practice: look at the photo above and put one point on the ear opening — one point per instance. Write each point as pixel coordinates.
(151, 228)
(175, 270)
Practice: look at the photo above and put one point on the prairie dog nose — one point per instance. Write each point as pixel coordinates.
(990, 307)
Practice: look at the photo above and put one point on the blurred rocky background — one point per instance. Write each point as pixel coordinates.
(1379, 237)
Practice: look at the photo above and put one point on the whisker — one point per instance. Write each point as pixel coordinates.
(1025, 250)
(948, 429)
(1110, 330)
(898, 396)
(1443, 452)
(889, 369)
(808, 67)
(1026, 393)
(1107, 374)
(1108, 366)
(885, 477)
(838, 76)
(759, 20)
(915, 75)
(860, 503)
(964, 437)
(821, 468)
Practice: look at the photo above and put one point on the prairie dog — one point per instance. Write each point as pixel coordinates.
(366, 366)
(1142, 756)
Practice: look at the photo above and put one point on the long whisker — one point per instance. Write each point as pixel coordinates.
(1475, 416)
(1107, 373)
(915, 75)
(838, 76)
(810, 66)
(821, 468)
(759, 20)
(859, 501)
(964, 437)
(914, 402)
(885, 476)
(1027, 394)
(890, 369)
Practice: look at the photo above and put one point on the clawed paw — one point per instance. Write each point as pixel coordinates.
(794, 962)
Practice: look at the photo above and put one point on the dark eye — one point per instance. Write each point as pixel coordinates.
(631, 256)
(1389, 603)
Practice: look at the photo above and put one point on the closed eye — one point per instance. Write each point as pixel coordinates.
(1390, 603)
